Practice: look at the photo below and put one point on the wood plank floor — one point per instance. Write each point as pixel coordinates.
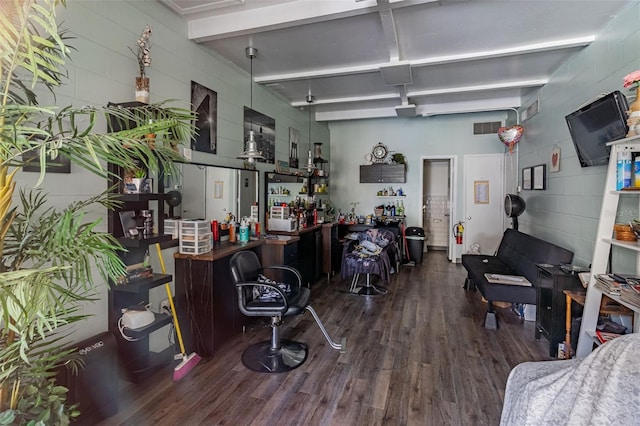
(416, 356)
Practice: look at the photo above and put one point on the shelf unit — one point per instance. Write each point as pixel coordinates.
(602, 249)
(135, 356)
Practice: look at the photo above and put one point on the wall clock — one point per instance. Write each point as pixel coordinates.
(379, 152)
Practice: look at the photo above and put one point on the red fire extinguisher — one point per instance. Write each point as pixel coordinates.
(458, 230)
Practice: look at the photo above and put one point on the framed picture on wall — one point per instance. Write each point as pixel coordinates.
(294, 141)
(526, 178)
(264, 130)
(540, 176)
(204, 102)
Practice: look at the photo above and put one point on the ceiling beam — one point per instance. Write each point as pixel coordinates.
(262, 16)
(481, 87)
(404, 95)
(438, 60)
(499, 104)
(389, 30)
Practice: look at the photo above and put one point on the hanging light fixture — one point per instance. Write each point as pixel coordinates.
(251, 154)
(311, 166)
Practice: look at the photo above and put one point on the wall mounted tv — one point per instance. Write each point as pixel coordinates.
(597, 123)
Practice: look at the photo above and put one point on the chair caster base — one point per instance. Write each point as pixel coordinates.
(261, 358)
(370, 291)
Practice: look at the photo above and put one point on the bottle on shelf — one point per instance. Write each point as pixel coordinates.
(400, 209)
(623, 170)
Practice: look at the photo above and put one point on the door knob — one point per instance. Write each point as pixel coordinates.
(468, 217)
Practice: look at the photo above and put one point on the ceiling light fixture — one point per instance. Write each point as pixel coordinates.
(310, 164)
(251, 154)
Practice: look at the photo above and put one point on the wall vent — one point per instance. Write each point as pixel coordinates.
(488, 128)
(531, 110)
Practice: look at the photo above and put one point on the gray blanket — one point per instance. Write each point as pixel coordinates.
(601, 389)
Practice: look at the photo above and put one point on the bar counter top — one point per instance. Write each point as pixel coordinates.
(299, 231)
(221, 250)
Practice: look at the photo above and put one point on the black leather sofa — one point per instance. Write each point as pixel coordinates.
(517, 254)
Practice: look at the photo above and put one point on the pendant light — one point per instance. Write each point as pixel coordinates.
(311, 166)
(251, 154)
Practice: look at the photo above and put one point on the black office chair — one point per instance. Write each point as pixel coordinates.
(260, 298)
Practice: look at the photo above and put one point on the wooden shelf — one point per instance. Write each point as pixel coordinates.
(134, 242)
(630, 245)
(144, 284)
(160, 321)
(139, 197)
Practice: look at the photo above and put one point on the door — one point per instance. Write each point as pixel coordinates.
(438, 195)
(483, 201)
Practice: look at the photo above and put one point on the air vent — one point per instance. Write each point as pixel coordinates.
(488, 128)
(531, 110)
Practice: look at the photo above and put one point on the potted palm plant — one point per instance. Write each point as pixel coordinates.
(47, 254)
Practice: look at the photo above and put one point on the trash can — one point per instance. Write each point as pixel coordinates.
(415, 243)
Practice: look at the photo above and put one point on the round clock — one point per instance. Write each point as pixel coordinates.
(379, 152)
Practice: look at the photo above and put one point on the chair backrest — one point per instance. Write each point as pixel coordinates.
(245, 266)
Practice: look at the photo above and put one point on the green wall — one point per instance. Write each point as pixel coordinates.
(567, 212)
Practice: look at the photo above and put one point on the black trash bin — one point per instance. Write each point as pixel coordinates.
(415, 243)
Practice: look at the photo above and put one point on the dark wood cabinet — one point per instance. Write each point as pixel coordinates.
(383, 173)
(206, 299)
(310, 255)
(551, 304)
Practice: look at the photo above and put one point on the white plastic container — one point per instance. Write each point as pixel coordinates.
(195, 237)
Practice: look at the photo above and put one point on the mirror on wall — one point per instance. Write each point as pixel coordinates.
(201, 191)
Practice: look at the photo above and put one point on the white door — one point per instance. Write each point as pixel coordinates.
(483, 201)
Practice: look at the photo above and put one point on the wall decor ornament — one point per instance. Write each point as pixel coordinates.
(142, 53)
(510, 136)
(555, 159)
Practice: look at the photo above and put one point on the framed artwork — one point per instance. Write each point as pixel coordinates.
(481, 192)
(540, 176)
(204, 102)
(218, 187)
(31, 159)
(264, 129)
(555, 159)
(527, 181)
(282, 167)
(294, 140)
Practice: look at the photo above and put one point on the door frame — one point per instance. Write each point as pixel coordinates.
(453, 185)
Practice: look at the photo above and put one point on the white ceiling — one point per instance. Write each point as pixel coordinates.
(460, 55)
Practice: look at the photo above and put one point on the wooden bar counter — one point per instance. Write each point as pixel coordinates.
(206, 299)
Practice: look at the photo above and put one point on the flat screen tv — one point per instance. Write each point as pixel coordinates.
(597, 123)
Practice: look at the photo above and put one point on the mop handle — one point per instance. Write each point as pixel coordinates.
(173, 308)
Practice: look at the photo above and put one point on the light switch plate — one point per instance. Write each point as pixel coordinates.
(186, 153)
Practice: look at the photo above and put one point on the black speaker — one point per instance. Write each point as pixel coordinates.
(95, 387)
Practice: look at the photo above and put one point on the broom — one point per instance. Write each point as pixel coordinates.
(188, 362)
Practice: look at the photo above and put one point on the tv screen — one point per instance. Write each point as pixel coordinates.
(594, 125)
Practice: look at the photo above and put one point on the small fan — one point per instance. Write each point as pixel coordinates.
(513, 207)
(174, 198)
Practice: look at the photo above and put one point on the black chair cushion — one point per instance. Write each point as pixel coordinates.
(246, 273)
(296, 304)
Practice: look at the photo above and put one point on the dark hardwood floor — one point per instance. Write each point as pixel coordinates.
(416, 356)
